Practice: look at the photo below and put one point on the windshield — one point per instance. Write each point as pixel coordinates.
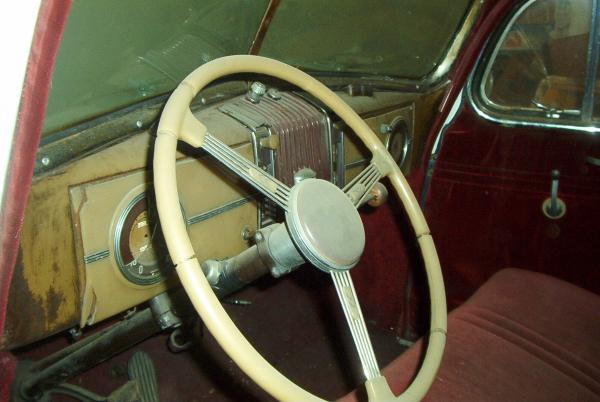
(115, 53)
(405, 39)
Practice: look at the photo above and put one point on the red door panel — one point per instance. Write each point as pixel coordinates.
(485, 197)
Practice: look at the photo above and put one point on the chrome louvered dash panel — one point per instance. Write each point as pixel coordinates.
(301, 132)
(289, 133)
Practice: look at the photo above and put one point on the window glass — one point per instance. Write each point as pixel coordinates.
(540, 66)
(115, 53)
(405, 39)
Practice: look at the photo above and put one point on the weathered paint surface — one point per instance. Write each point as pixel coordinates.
(44, 296)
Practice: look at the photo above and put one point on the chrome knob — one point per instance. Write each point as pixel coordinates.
(256, 91)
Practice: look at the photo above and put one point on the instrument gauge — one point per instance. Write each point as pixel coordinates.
(140, 249)
(398, 140)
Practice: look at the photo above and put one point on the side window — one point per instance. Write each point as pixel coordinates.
(538, 70)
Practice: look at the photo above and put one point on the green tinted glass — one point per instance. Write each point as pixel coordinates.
(116, 52)
(384, 37)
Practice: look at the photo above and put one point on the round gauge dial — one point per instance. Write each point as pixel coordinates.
(140, 249)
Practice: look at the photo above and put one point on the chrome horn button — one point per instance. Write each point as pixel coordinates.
(325, 225)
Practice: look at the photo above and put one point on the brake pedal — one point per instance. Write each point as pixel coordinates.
(141, 369)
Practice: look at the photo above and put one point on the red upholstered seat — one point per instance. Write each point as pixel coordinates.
(523, 336)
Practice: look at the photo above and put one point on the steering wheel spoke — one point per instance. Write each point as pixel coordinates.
(358, 189)
(252, 174)
(347, 295)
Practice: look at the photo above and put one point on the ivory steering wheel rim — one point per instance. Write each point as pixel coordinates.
(178, 123)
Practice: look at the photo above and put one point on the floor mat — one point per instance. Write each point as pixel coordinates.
(297, 324)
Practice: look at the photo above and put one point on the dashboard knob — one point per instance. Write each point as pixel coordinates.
(256, 91)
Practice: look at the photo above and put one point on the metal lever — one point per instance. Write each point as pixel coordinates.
(593, 161)
(554, 207)
(553, 112)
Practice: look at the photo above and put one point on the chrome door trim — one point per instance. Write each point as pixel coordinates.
(479, 101)
(587, 103)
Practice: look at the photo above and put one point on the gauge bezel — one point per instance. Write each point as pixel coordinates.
(399, 128)
(121, 241)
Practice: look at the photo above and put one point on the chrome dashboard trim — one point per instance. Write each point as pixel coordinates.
(219, 210)
(290, 117)
(360, 162)
(329, 133)
(100, 255)
(339, 145)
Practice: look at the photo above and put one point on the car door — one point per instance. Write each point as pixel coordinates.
(527, 122)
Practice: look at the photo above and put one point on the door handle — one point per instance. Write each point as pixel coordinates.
(553, 207)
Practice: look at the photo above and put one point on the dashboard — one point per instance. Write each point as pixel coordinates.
(92, 247)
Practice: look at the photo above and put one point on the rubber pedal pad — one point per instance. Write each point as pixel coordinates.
(141, 369)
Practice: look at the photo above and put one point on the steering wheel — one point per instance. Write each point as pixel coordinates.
(317, 242)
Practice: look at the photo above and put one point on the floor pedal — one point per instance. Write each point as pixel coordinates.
(141, 369)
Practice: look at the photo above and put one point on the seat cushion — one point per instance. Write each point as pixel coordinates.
(523, 336)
